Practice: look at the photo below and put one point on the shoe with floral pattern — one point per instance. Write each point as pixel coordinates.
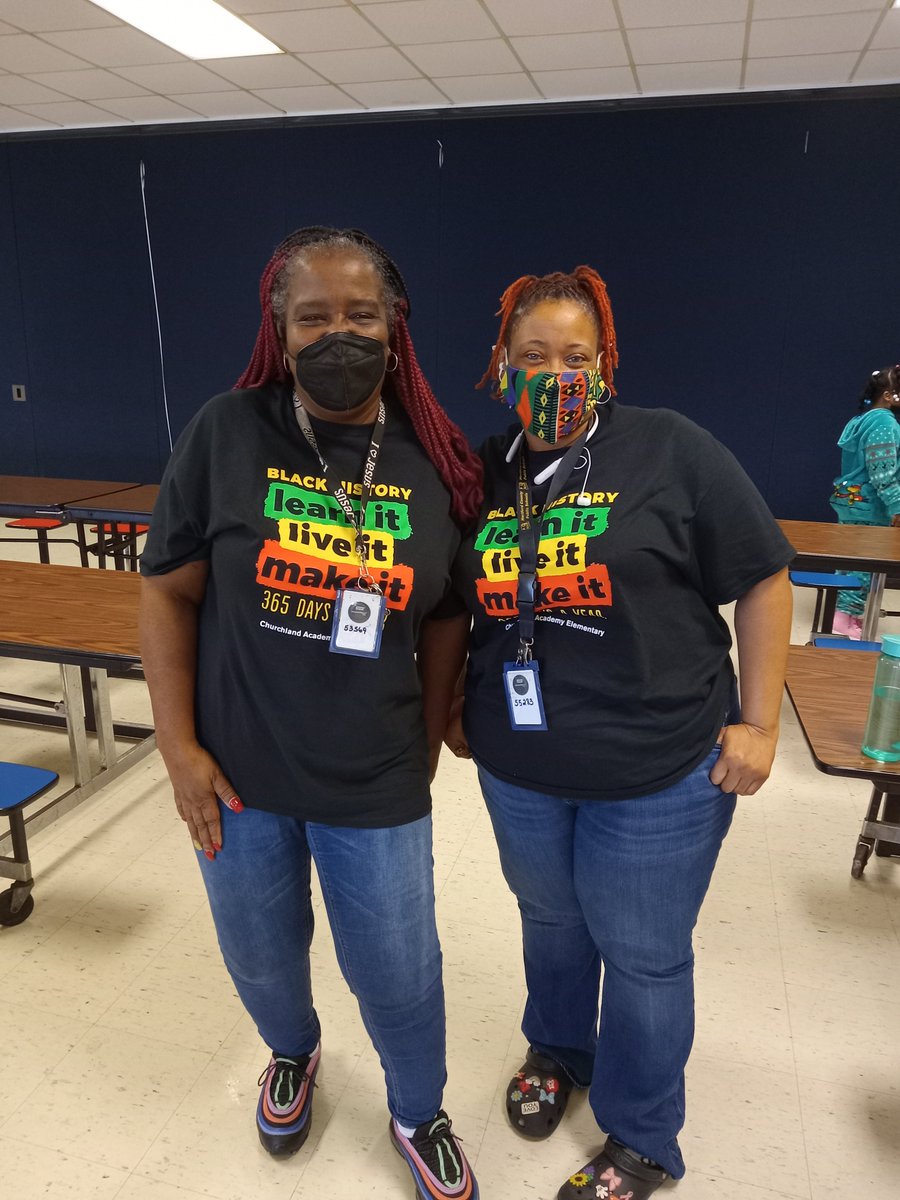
(616, 1173)
(537, 1096)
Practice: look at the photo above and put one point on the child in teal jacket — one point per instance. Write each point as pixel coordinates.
(867, 491)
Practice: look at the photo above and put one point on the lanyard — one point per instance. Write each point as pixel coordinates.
(530, 536)
(338, 490)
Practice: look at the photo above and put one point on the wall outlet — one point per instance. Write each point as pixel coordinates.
(18, 390)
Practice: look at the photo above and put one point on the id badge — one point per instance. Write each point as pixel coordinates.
(523, 695)
(358, 622)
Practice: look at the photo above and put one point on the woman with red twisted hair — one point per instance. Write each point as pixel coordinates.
(601, 710)
(299, 649)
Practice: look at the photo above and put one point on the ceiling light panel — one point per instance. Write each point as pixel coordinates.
(195, 28)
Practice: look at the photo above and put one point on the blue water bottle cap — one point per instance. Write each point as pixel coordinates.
(890, 644)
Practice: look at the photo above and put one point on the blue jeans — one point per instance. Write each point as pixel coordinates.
(378, 888)
(617, 884)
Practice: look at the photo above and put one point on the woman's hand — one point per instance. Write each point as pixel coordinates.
(199, 784)
(746, 759)
(454, 738)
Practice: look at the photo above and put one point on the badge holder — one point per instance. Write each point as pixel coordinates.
(358, 622)
(522, 684)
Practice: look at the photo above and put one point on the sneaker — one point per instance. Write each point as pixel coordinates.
(616, 1173)
(285, 1102)
(435, 1157)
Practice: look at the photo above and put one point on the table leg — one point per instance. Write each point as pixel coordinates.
(106, 738)
(75, 726)
(873, 608)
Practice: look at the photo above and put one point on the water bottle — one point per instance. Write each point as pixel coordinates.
(882, 737)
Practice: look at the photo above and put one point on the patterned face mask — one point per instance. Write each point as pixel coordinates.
(550, 405)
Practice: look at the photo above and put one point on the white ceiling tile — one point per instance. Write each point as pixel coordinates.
(73, 113)
(307, 99)
(16, 89)
(149, 110)
(318, 29)
(644, 14)
(573, 85)
(22, 52)
(90, 84)
(429, 20)
(679, 78)
(400, 93)
(879, 66)
(569, 51)
(11, 120)
(6, 29)
(888, 35)
(228, 105)
(362, 66)
(39, 16)
(562, 16)
(687, 43)
(491, 56)
(120, 47)
(804, 70)
(811, 8)
(263, 70)
(810, 35)
(488, 89)
(168, 78)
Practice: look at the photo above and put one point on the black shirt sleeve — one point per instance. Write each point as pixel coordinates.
(736, 540)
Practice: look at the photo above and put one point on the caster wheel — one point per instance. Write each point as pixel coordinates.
(863, 850)
(7, 916)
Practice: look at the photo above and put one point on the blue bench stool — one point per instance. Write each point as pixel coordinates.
(19, 785)
(836, 642)
(827, 587)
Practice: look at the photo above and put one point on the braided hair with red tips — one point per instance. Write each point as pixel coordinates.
(443, 441)
(583, 286)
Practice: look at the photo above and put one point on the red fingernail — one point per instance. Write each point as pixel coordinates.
(234, 804)
(217, 846)
(209, 854)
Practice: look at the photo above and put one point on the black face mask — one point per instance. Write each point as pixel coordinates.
(341, 370)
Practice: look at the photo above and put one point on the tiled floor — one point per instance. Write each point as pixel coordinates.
(128, 1068)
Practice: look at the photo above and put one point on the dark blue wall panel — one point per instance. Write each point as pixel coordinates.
(86, 306)
(749, 251)
(17, 447)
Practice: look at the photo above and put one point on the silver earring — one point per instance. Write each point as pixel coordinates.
(391, 370)
(285, 363)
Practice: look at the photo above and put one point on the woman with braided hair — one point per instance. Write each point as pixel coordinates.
(601, 710)
(299, 645)
(867, 491)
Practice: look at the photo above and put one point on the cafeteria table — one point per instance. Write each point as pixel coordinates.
(830, 692)
(40, 496)
(83, 620)
(81, 502)
(829, 546)
(128, 508)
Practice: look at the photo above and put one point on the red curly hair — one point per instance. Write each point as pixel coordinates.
(583, 286)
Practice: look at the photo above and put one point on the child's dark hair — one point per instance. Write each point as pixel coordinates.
(879, 382)
(584, 286)
(443, 441)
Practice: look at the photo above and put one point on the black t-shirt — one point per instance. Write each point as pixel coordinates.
(298, 730)
(656, 526)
